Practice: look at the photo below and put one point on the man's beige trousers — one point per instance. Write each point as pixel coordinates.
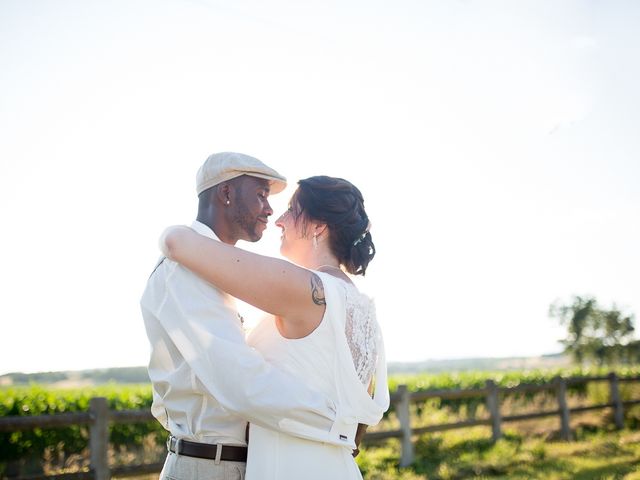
(181, 467)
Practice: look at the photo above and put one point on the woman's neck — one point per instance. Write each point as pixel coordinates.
(322, 259)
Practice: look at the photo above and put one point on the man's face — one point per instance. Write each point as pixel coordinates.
(252, 209)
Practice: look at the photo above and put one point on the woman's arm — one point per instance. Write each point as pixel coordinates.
(270, 284)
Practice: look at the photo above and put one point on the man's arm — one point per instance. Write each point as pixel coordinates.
(362, 429)
(236, 375)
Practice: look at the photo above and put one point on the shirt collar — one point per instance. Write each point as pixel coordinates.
(203, 229)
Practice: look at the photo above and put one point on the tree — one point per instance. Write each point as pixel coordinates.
(596, 334)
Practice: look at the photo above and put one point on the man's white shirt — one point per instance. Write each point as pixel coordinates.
(207, 382)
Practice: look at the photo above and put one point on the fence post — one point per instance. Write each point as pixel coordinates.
(561, 393)
(99, 438)
(616, 401)
(406, 458)
(493, 404)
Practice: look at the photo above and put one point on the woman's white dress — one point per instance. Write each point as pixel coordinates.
(340, 358)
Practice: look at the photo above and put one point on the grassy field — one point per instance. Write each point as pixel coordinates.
(472, 455)
(528, 450)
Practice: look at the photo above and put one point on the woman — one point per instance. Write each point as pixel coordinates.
(321, 329)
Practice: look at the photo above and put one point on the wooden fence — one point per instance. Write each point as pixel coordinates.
(402, 399)
(99, 416)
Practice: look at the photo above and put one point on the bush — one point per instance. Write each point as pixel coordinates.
(38, 400)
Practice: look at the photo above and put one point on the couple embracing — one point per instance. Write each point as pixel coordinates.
(293, 399)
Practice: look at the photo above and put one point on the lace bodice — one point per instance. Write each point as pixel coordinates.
(361, 332)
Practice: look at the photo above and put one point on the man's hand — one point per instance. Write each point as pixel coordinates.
(362, 428)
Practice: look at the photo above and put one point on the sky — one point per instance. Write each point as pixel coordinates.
(495, 142)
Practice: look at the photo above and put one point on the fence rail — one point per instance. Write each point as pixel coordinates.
(492, 394)
(99, 416)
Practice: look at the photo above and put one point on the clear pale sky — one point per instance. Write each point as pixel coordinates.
(496, 144)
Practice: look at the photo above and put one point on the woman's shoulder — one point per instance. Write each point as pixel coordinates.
(348, 289)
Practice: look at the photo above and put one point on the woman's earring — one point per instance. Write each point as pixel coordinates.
(315, 240)
(228, 202)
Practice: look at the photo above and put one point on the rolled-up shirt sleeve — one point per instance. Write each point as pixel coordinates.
(236, 375)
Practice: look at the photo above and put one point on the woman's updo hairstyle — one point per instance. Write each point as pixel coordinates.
(339, 204)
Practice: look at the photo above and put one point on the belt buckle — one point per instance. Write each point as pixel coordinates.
(169, 442)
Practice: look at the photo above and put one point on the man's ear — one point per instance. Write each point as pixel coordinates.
(224, 193)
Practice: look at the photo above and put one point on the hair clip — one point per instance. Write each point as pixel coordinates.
(361, 238)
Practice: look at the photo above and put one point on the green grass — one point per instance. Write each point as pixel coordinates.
(471, 454)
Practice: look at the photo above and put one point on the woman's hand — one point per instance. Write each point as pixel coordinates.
(174, 238)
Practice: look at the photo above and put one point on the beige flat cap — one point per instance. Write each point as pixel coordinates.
(224, 166)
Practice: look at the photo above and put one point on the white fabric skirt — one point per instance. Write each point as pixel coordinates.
(277, 456)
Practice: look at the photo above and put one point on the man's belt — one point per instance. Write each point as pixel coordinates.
(229, 453)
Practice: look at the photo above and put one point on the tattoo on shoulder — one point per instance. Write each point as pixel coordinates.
(317, 290)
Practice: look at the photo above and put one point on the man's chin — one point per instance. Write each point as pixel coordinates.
(253, 233)
(253, 236)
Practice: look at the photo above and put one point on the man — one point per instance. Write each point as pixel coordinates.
(205, 405)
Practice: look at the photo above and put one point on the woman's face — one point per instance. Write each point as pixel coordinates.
(293, 243)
